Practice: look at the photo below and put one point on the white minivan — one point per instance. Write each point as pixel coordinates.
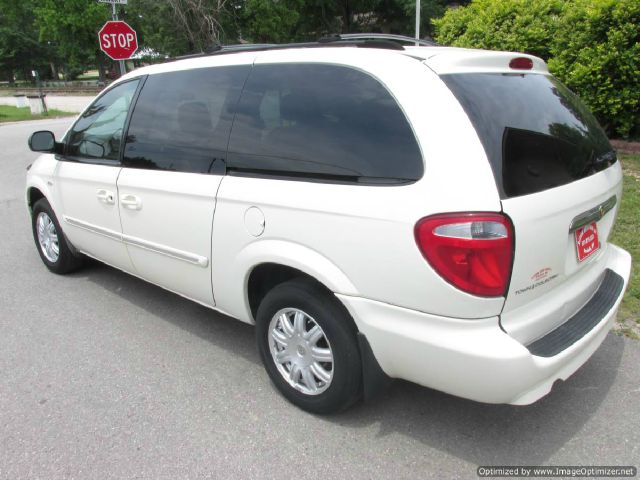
(378, 210)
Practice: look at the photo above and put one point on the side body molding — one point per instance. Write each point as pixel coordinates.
(140, 243)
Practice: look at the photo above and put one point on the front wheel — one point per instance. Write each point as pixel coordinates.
(50, 241)
(309, 348)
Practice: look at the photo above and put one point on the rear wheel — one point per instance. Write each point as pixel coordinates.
(308, 346)
(50, 241)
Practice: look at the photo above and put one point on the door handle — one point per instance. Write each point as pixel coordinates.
(105, 196)
(131, 202)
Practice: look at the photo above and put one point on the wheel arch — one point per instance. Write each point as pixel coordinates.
(33, 195)
(37, 189)
(264, 277)
(270, 262)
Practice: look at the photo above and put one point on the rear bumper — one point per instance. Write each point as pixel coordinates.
(476, 359)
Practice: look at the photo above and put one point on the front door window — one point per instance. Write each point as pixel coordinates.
(97, 135)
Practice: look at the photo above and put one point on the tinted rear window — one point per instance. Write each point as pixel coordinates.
(536, 133)
(322, 121)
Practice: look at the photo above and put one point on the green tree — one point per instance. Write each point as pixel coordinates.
(153, 21)
(429, 10)
(199, 20)
(20, 49)
(308, 20)
(72, 25)
(179, 27)
(273, 21)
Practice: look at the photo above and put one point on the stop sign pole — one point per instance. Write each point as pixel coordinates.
(114, 15)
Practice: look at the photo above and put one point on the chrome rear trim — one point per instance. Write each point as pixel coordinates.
(592, 215)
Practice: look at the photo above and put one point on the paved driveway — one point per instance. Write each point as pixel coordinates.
(105, 376)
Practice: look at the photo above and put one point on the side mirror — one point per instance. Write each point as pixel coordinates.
(42, 141)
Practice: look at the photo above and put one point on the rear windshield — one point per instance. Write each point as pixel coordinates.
(536, 133)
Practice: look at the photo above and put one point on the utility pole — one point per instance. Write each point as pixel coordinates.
(417, 21)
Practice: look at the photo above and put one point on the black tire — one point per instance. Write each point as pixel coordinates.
(345, 387)
(66, 261)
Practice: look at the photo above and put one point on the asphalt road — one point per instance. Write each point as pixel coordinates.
(105, 376)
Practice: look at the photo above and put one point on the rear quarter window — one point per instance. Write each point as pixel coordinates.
(322, 121)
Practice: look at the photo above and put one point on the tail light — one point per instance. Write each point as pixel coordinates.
(472, 251)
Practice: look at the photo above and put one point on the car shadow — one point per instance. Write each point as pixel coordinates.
(486, 434)
(478, 433)
(218, 329)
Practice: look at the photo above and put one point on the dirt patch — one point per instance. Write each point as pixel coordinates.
(627, 327)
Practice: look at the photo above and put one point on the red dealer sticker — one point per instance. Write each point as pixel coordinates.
(587, 242)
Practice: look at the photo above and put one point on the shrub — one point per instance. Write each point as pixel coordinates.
(597, 54)
(513, 25)
(591, 45)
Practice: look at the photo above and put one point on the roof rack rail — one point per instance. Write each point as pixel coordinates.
(377, 37)
(259, 47)
(217, 49)
(363, 40)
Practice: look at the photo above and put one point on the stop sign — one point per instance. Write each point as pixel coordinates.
(118, 40)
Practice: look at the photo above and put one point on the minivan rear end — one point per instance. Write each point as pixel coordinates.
(560, 185)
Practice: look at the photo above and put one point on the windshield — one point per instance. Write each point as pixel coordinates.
(536, 133)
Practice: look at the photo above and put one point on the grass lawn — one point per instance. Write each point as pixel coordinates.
(626, 234)
(89, 75)
(14, 114)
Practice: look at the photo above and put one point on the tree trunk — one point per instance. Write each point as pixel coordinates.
(346, 17)
(101, 72)
(54, 71)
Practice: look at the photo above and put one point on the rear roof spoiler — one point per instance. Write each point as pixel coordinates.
(462, 60)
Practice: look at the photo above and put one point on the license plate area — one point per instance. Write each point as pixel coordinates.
(587, 242)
